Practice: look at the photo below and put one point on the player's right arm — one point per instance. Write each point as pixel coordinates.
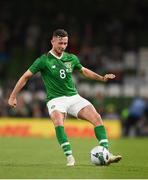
(34, 68)
(19, 85)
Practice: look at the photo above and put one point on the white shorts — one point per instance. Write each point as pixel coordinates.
(68, 104)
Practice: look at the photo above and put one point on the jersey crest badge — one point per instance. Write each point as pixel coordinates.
(68, 66)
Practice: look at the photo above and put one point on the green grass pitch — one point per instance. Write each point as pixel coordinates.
(40, 158)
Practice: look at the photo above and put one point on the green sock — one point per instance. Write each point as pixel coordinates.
(100, 133)
(63, 141)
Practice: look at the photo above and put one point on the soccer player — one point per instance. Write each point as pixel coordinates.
(56, 69)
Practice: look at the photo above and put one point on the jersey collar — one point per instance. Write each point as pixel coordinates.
(55, 55)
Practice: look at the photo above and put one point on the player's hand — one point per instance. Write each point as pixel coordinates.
(12, 101)
(109, 76)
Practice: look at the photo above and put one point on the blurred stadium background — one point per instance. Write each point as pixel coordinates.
(109, 37)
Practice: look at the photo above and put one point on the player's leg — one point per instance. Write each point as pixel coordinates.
(58, 121)
(83, 109)
(57, 109)
(90, 114)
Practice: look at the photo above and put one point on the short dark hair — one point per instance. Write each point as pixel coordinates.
(60, 33)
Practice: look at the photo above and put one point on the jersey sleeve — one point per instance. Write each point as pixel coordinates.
(77, 65)
(36, 66)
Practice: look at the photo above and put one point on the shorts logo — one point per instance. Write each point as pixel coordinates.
(53, 106)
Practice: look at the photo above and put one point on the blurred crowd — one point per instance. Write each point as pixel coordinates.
(106, 37)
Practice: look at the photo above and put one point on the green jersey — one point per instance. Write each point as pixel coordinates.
(57, 73)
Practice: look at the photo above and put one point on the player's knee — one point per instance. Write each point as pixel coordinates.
(58, 122)
(57, 115)
(57, 118)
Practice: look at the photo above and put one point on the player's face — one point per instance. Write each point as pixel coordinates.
(59, 44)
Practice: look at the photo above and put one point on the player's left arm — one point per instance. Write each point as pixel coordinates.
(94, 76)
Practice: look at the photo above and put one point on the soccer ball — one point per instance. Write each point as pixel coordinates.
(99, 155)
